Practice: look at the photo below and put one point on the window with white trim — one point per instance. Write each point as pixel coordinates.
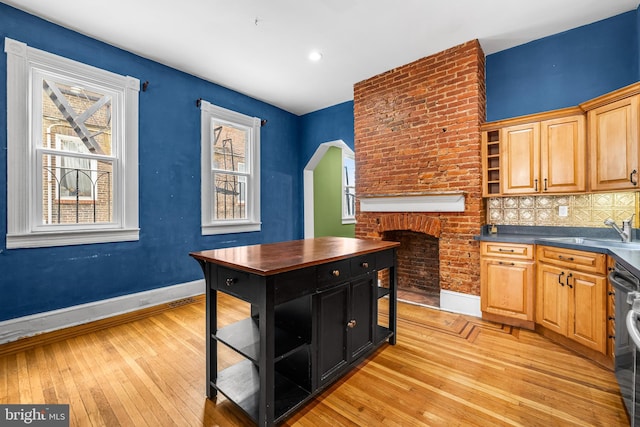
(72, 140)
(348, 188)
(230, 150)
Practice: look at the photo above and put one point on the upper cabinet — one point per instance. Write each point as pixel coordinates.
(613, 144)
(544, 153)
(593, 147)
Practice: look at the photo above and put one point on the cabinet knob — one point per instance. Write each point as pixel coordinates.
(335, 273)
(351, 324)
(229, 281)
(365, 265)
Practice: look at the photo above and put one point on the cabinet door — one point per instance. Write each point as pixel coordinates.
(552, 298)
(587, 310)
(507, 288)
(520, 156)
(563, 155)
(332, 353)
(360, 336)
(613, 144)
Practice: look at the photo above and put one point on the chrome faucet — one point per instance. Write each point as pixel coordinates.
(626, 232)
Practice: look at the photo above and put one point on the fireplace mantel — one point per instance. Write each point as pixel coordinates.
(414, 202)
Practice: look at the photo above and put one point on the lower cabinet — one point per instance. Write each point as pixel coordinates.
(345, 325)
(571, 301)
(507, 282)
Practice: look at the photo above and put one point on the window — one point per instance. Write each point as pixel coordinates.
(348, 188)
(72, 170)
(230, 171)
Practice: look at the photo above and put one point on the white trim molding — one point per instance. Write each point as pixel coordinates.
(457, 302)
(435, 202)
(27, 326)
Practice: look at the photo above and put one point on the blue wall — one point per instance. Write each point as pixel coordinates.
(38, 280)
(563, 70)
(328, 124)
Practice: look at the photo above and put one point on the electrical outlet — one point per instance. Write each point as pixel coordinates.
(563, 211)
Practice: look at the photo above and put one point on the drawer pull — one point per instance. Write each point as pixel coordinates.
(506, 263)
(560, 277)
(351, 324)
(230, 281)
(635, 172)
(560, 257)
(506, 250)
(335, 273)
(365, 265)
(569, 277)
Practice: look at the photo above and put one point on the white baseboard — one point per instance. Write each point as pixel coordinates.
(457, 302)
(23, 327)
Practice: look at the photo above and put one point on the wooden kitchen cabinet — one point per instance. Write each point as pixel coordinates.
(571, 295)
(545, 157)
(507, 283)
(541, 153)
(520, 154)
(613, 144)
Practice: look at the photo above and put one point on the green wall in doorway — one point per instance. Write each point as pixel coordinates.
(327, 197)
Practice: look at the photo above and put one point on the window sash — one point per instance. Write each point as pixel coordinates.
(25, 68)
(243, 215)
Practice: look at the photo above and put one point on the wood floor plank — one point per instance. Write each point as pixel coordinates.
(446, 370)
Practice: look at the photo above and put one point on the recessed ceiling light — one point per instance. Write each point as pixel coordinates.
(315, 56)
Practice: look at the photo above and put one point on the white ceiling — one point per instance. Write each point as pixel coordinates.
(260, 47)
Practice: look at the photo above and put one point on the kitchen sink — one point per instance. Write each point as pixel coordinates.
(601, 243)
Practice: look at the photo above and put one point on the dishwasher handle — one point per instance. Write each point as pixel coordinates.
(632, 327)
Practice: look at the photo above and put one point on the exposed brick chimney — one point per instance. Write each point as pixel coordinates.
(417, 130)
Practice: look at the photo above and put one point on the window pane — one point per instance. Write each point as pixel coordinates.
(79, 112)
(229, 147)
(76, 190)
(229, 197)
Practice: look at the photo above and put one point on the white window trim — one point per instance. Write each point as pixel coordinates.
(209, 112)
(346, 219)
(22, 227)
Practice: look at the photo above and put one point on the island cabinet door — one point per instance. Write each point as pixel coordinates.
(345, 325)
(332, 316)
(361, 322)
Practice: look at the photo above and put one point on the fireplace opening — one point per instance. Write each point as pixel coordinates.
(418, 266)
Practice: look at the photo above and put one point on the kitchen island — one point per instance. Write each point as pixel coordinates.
(314, 316)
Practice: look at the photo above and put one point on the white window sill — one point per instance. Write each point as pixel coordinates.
(43, 240)
(346, 221)
(231, 228)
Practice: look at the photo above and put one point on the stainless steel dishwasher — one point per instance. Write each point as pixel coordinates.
(627, 338)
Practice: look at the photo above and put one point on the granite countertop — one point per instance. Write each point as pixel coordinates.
(606, 241)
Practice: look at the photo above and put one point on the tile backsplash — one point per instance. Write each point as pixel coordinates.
(583, 210)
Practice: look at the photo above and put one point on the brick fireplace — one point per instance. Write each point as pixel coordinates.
(417, 132)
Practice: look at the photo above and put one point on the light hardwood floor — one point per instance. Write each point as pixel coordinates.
(446, 370)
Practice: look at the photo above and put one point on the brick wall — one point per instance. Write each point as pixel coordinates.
(417, 129)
